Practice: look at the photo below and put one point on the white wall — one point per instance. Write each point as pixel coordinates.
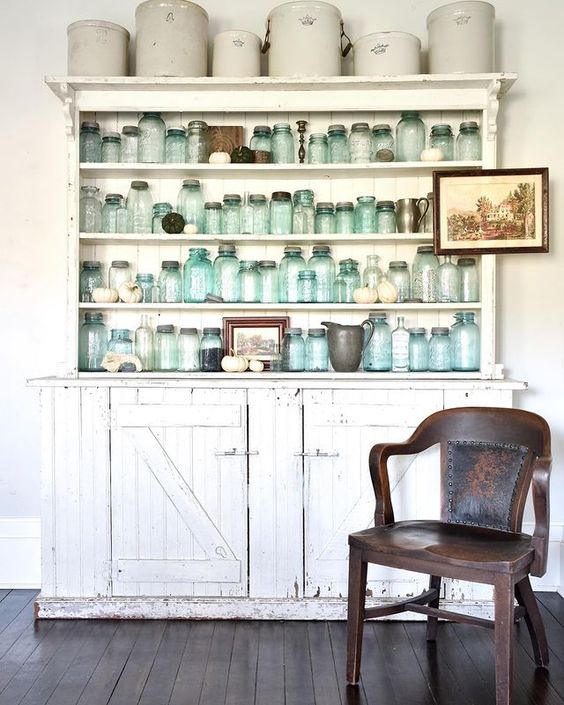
(32, 188)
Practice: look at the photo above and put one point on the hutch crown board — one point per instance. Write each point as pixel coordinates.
(231, 495)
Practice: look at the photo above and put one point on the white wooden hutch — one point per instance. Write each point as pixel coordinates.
(225, 495)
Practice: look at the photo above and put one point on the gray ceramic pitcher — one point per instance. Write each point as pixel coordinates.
(346, 344)
(410, 213)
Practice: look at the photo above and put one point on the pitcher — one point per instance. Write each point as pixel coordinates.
(346, 344)
(410, 214)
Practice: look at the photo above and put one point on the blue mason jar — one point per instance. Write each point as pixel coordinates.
(317, 148)
(291, 264)
(261, 214)
(92, 343)
(293, 350)
(231, 214)
(469, 282)
(365, 215)
(385, 217)
(225, 273)
(303, 221)
(382, 144)
(360, 143)
(111, 148)
(282, 144)
(372, 273)
(307, 287)
(465, 343)
(344, 217)
(316, 351)
(175, 145)
(146, 282)
(143, 344)
(425, 275)
(324, 218)
(418, 350)
(449, 282)
(90, 278)
(152, 136)
(347, 280)
(190, 204)
(469, 142)
(281, 213)
(211, 350)
(120, 342)
(166, 349)
(188, 350)
(198, 142)
(170, 283)
(249, 282)
(198, 279)
(323, 265)
(443, 139)
(261, 139)
(129, 151)
(377, 354)
(90, 142)
(410, 137)
(112, 203)
(139, 208)
(159, 212)
(269, 281)
(439, 350)
(212, 218)
(398, 275)
(90, 210)
(338, 145)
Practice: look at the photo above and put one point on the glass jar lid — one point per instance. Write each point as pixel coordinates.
(281, 126)
(410, 114)
(377, 315)
(93, 316)
(197, 125)
(307, 274)
(166, 328)
(248, 264)
(318, 136)
(145, 276)
(441, 129)
(316, 332)
(398, 264)
(366, 199)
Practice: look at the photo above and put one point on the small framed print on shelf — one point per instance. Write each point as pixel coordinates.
(491, 211)
(257, 338)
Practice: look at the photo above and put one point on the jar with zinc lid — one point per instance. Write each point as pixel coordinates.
(231, 214)
(443, 139)
(317, 148)
(293, 350)
(249, 282)
(344, 217)
(324, 218)
(166, 349)
(170, 283)
(152, 135)
(190, 203)
(129, 144)
(410, 137)
(281, 213)
(439, 350)
(197, 276)
(291, 264)
(469, 142)
(398, 275)
(338, 145)
(449, 282)
(120, 273)
(360, 143)
(197, 142)
(382, 143)
(212, 218)
(261, 139)
(261, 213)
(418, 350)
(175, 145)
(385, 217)
(225, 273)
(323, 265)
(113, 202)
(188, 350)
(316, 351)
(465, 343)
(307, 287)
(90, 210)
(377, 354)
(469, 281)
(365, 215)
(425, 275)
(282, 144)
(139, 208)
(111, 147)
(90, 278)
(92, 343)
(211, 350)
(90, 142)
(269, 281)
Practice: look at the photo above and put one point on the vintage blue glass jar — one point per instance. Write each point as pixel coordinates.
(188, 350)
(269, 281)
(344, 217)
(112, 203)
(166, 349)
(170, 282)
(159, 212)
(324, 218)
(443, 139)
(307, 287)
(316, 351)
(365, 215)
(129, 144)
(317, 148)
(291, 264)
(418, 350)
(439, 350)
(139, 208)
(231, 214)
(465, 344)
(212, 218)
(249, 282)
(469, 282)
(261, 139)
(261, 213)
(198, 279)
(211, 350)
(303, 220)
(111, 147)
(323, 265)
(146, 282)
(377, 354)
(281, 213)
(92, 343)
(282, 144)
(90, 278)
(120, 342)
(449, 282)
(398, 275)
(190, 204)
(382, 143)
(175, 145)
(469, 142)
(385, 217)
(90, 210)
(225, 273)
(372, 273)
(293, 350)
(360, 142)
(347, 280)
(338, 144)
(425, 275)
(90, 142)
(152, 136)
(410, 137)
(197, 142)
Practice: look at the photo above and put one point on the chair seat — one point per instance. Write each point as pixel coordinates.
(455, 544)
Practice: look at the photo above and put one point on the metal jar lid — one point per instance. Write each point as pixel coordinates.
(466, 262)
(191, 182)
(281, 196)
(292, 331)
(212, 331)
(293, 249)
(139, 185)
(316, 331)
(469, 124)
(130, 130)
(188, 331)
(87, 125)
(397, 264)
(381, 126)
(111, 136)
(267, 264)
(359, 126)
(336, 128)
(417, 331)
(167, 328)
(344, 206)
(231, 249)
(120, 263)
(91, 263)
(325, 249)
(439, 330)
(386, 204)
(170, 264)
(210, 205)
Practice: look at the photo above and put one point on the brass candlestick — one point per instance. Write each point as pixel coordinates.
(301, 131)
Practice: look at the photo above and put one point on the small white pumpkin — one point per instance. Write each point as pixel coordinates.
(365, 295)
(387, 292)
(220, 158)
(130, 293)
(433, 154)
(256, 365)
(234, 363)
(191, 229)
(104, 295)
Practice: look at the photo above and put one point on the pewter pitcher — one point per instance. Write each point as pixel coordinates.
(346, 344)
(410, 213)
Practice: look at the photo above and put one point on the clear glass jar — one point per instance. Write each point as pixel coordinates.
(198, 278)
(129, 150)
(261, 213)
(212, 218)
(324, 218)
(398, 275)
(175, 145)
(469, 281)
(190, 204)
(211, 350)
(111, 147)
(410, 137)
(338, 145)
(231, 214)
(90, 278)
(225, 274)
(323, 265)
(428, 219)
(385, 217)
(249, 282)
(144, 344)
(140, 208)
(261, 139)
(120, 273)
(307, 287)
(291, 264)
(166, 349)
(439, 350)
(269, 281)
(465, 344)
(152, 135)
(90, 142)
(198, 142)
(188, 350)
(365, 215)
(317, 148)
(281, 213)
(469, 142)
(120, 342)
(377, 353)
(425, 275)
(113, 202)
(170, 282)
(246, 215)
(418, 350)
(382, 144)
(344, 217)
(282, 144)
(400, 347)
(159, 212)
(347, 280)
(90, 210)
(443, 139)
(449, 282)
(316, 351)
(293, 350)
(360, 142)
(372, 273)
(146, 282)
(303, 222)
(92, 343)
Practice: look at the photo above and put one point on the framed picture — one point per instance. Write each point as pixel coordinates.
(490, 211)
(259, 337)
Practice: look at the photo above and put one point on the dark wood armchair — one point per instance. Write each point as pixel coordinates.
(488, 459)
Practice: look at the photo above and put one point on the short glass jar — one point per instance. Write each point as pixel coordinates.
(92, 343)
(281, 213)
(377, 353)
(159, 212)
(212, 218)
(140, 208)
(190, 203)
(119, 273)
(225, 274)
(344, 217)
(418, 350)
(152, 135)
(465, 343)
(443, 139)
(231, 214)
(146, 282)
(324, 218)
(372, 273)
(129, 151)
(360, 143)
(166, 349)
(385, 217)
(90, 278)
(90, 142)
(188, 350)
(90, 210)
(303, 219)
(175, 145)
(439, 350)
(170, 282)
(293, 350)
(469, 142)
(113, 202)
(261, 213)
(449, 282)
(338, 145)
(365, 215)
(398, 275)
(382, 143)
(307, 287)
(261, 139)
(469, 281)
(111, 148)
(323, 265)
(197, 277)
(197, 142)
(211, 350)
(425, 275)
(316, 351)
(249, 282)
(291, 264)
(410, 137)
(120, 342)
(346, 281)
(282, 144)
(318, 148)
(269, 281)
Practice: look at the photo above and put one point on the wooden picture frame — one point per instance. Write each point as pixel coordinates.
(255, 337)
(490, 211)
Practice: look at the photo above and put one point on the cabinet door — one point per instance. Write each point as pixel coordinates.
(340, 427)
(179, 492)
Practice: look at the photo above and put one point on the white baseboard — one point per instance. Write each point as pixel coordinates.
(20, 552)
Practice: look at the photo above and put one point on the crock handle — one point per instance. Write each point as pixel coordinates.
(266, 43)
(348, 45)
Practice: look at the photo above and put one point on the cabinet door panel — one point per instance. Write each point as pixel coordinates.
(179, 501)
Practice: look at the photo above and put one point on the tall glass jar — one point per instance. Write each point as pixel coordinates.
(372, 273)
(225, 274)
(360, 142)
(90, 210)
(377, 354)
(261, 213)
(410, 137)
(261, 139)
(324, 218)
(398, 275)
(170, 282)
(400, 347)
(92, 343)
(469, 281)
(198, 142)
(303, 221)
(291, 264)
(465, 344)
(249, 282)
(316, 351)
(418, 350)
(269, 281)
(120, 342)
(152, 135)
(281, 213)
(175, 145)
(140, 208)
(144, 344)
(347, 280)
(159, 212)
(198, 279)
(129, 150)
(146, 282)
(231, 214)
(211, 350)
(212, 218)
(443, 139)
(439, 350)
(425, 275)
(382, 144)
(365, 215)
(113, 202)
(188, 350)
(469, 142)
(344, 217)
(317, 148)
(449, 282)
(190, 203)
(385, 217)
(323, 265)
(246, 215)
(293, 350)
(90, 278)
(338, 145)
(282, 144)
(166, 349)
(111, 147)
(307, 287)
(120, 273)
(90, 142)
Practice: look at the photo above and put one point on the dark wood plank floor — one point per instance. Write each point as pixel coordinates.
(98, 662)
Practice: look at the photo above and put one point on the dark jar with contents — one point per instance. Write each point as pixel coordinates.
(211, 350)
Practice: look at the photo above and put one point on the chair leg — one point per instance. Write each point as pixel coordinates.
(355, 614)
(434, 584)
(504, 617)
(526, 598)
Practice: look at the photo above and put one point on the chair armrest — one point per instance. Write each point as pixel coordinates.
(541, 506)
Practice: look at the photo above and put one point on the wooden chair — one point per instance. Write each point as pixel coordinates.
(488, 459)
